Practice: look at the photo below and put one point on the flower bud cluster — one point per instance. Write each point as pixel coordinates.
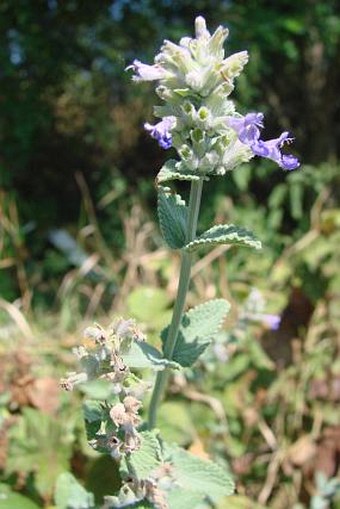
(102, 359)
(153, 489)
(195, 79)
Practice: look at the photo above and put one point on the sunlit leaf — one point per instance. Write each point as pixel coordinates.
(224, 234)
(70, 494)
(172, 214)
(197, 329)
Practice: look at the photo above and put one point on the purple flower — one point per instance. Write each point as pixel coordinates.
(271, 321)
(248, 127)
(271, 150)
(145, 72)
(161, 131)
(248, 130)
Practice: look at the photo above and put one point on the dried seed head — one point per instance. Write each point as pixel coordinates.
(96, 333)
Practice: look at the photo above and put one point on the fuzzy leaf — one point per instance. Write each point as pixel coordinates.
(93, 410)
(114, 502)
(197, 329)
(69, 494)
(182, 499)
(200, 476)
(142, 355)
(169, 172)
(148, 457)
(93, 416)
(225, 234)
(172, 214)
(97, 389)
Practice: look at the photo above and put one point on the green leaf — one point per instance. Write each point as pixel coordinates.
(170, 172)
(149, 305)
(97, 389)
(10, 500)
(142, 355)
(93, 410)
(114, 502)
(175, 422)
(182, 499)
(172, 214)
(40, 444)
(69, 494)
(93, 416)
(225, 234)
(197, 329)
(148, 457)
(200, 476)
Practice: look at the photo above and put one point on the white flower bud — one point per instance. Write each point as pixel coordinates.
(201, 28)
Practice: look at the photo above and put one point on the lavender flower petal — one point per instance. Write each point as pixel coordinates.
(248, 131)
(271, 150)
(248, 127)
(161, 131)
(271, 321)
(145, 72)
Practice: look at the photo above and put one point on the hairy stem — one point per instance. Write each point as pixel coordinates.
(183, 285)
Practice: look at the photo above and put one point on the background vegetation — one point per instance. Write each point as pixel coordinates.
(78, 241)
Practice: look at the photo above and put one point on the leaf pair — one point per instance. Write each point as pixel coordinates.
(173, 216)
(194, 479)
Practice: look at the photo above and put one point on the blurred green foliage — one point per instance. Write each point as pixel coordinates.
(69, 108)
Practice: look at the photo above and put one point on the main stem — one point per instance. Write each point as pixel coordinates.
(183, 285)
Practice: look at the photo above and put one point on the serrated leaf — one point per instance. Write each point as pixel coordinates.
(197, 329)
(200, 476)
(225, 234)
(142, 355)
(69, 494)
(169, 172)
(172, 214)
(148, 457)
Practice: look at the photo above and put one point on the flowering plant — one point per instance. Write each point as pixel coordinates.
(194, 81)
